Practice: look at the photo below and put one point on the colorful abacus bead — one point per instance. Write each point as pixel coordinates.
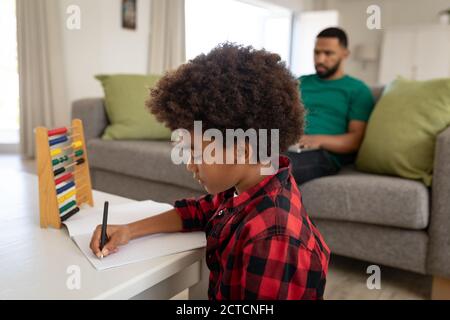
(56, 132)
(64, 169)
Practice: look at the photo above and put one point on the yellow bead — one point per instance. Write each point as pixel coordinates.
(55, 152)
(77, 144)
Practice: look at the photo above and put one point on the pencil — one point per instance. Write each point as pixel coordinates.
(103, 237)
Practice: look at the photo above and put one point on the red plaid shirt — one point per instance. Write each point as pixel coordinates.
(261, 244)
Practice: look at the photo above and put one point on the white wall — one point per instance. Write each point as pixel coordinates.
(295, 5)
(101, 45)
(353, 16)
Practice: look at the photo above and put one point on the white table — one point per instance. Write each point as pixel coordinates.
(34, 262)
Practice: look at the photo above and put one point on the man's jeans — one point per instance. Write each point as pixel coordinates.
(308, 165)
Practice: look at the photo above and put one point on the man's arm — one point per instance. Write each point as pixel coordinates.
(343, 143)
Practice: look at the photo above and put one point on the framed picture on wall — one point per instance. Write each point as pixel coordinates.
(129, 8)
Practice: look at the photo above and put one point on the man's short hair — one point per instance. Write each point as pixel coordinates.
(335, 33)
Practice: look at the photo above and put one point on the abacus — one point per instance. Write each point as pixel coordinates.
(63, 171)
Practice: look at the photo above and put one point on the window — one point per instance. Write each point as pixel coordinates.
(210, 22)
(9, 77)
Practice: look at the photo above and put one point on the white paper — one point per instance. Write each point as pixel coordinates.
(86, 220)
(149, 247)
(82, 225)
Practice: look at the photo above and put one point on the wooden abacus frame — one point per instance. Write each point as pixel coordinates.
(48, 201)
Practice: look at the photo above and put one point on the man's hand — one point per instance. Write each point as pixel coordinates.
(310, 142)
(117, 235)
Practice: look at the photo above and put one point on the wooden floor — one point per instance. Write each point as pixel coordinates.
(346, 278)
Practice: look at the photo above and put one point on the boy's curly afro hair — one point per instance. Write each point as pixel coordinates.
(232, 87)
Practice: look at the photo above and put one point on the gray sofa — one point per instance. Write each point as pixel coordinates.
(381, 219)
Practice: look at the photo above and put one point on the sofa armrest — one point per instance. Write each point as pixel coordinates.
(93, 114)
(438, 262)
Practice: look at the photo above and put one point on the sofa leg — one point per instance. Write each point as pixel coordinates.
(440, 289)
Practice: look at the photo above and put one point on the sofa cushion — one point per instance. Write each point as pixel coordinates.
(368, 198)
(125, 96)
(143, 159)
(401, 133)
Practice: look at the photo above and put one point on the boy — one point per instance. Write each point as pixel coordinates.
(261, 244)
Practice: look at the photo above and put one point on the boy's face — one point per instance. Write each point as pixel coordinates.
(215, 177)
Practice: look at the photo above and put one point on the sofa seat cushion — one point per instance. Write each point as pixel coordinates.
(143, 159)
(368, 198)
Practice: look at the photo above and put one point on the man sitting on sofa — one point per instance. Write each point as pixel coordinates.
(338, 107)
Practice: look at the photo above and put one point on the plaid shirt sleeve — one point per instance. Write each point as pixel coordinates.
(195, 213)
(280, 268)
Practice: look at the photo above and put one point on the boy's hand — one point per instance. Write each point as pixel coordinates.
(117, 235)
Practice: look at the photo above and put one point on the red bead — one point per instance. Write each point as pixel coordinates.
(55, 132)
(63, 178)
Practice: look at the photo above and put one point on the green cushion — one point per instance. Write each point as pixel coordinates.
(402, 129)
(125, 97)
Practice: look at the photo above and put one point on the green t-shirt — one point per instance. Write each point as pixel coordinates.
(331, 104)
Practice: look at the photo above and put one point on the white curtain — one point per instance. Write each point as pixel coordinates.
(167, 36)
(41, 78)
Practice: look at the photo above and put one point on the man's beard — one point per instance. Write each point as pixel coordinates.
(329, 72)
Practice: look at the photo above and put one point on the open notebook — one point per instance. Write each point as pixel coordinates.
(82, 225)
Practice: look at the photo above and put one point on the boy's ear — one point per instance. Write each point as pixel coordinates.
(244, 153)
(249, 153)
